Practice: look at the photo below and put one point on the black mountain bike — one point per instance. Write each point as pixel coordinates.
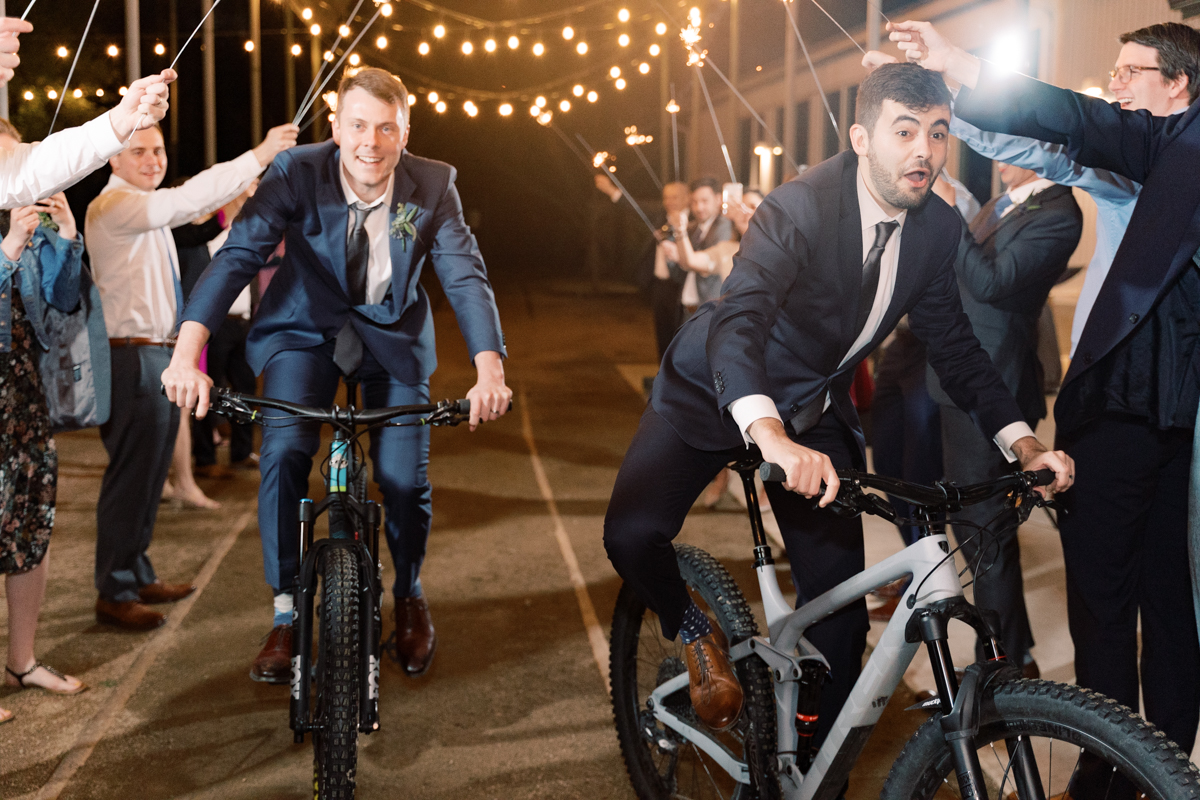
(337, 698)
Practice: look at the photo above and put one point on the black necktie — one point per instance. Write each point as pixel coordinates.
(347, 351)
(870, 276)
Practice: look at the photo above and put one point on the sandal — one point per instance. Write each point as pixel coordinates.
(20, 678)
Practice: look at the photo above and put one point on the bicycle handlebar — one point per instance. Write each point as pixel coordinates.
(940, 496)
(239, 406)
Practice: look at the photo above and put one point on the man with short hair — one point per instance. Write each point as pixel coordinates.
(701, 280)
(347, 300)
(830, 263)
(1127, 407)
(136, 268)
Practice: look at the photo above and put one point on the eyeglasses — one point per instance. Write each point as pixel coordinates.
(1125, 74)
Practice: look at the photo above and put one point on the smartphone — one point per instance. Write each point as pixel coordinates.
(730, 193)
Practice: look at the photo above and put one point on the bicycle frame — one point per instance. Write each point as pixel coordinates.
(789, 655)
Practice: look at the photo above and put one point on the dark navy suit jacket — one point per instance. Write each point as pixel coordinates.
(307, 302)
(1161, 153)
(787, 315)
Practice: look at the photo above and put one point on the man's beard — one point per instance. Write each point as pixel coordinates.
(887, 184)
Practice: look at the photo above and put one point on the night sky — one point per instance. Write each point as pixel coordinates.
(528, 197)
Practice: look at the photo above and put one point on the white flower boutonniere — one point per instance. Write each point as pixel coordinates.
(402, 225)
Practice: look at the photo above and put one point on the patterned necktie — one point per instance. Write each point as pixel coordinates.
(348, 348)
(870, 276)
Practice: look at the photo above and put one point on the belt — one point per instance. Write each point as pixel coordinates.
(140, 341)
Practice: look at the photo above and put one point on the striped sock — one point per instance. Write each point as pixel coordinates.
(695, 624)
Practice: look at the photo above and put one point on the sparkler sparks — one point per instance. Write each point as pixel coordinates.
(690, 36)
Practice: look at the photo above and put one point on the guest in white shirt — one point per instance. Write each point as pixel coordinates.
(128, 233)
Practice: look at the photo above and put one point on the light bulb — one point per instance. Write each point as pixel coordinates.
(615, 72)
(440, 107)
(306, 14)
(620, 83)
(577, 90)
(568, 32)
(539, 48)
(315, 30)
(593, 97)
(623, 40)
(490, 45)
(423, 48)
(468, 48)
(381, 43)
(655, 49)
(660, 28)
(433, 97)
(439, 31)
(506, 109)
(513, 43)
(296, 50)
(564, 106)
(344, 31)
(623, 15)
(581, 48)
(644, 68)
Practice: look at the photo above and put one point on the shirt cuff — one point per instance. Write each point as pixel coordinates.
(101, 135)
(1008, 435)
(747, 410)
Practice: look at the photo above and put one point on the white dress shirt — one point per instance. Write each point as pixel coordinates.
(749, 409)
(690, 296)
(244, 304)
(32, 171)
(128, 235)
(379, 263)
(1020, 194)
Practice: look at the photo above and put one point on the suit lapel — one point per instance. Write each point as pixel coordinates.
(334, 213)
(850, 260)
(402, 249)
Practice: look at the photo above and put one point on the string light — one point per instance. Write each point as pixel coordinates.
(53, 95)
(623, 15)
(315, 30)
(506, 109)
(577, 90)
(644, 68)
(28, 95)
(660, 28)
(113, 51)
(62, 52)
(296, 50)
(564, 106)
(545, 117)
(490, 45)
(534, 110)
(440, 107)
(354, 59)
(159, 49)
(249, 45)
(439, 31)
(386, 10)
(540, 102)
(470, 108)
(568, 33)
(620, 84)
(433, 97)
(539, 48)
(593, 97)
(423, 48)
(672, 107)
(78, 93)
(344, 31)
(306, 14)
(623, 40)
(615, 72)
(513, 43)
(468, 48)
(581, 48)
(328, 56)
(655, 50)
(381, 43)
(124, 90)
(99, 93)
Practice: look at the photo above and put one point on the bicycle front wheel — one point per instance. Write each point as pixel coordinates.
(1083, 746)
(335, 744)
(663, 764)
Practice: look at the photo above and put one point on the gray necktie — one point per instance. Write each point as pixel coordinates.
(347, 352)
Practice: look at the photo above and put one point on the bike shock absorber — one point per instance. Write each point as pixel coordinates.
(808, 704)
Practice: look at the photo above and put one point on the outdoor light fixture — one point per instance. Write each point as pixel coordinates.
(470, 108)
(534, 111)
(354, 59)
(78, 93)
(53, 95)
(386, 10)
(615, 72)
(99, 93)
(440, 107)
(540, 102)
(28, 95)
(62, 52)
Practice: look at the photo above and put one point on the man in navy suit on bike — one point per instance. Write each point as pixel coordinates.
(360, 216)
(831, 262)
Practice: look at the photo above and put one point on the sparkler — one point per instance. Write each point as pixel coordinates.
(634, 140)
(617, 182)
(308, 95)
(673, 110)
(820, 90)
(28, 8)
(380, 6)
(74, 61)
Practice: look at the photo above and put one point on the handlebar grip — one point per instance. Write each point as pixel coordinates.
(772, 473)
(1043, 477)
(462, 406)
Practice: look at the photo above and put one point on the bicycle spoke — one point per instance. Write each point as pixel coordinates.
(704, 764)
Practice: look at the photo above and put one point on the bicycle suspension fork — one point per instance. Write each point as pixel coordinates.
(302, 614)
(370, 593)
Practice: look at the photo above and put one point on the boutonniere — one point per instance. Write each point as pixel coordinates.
(402, 225)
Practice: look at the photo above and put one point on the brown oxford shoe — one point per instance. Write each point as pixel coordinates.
(159, 592)
(416, 640)
(713, 686)
(274, 662)
(132, 615)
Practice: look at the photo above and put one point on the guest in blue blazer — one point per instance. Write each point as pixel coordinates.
(360, 216)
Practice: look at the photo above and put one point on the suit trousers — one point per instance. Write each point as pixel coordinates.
(994, 557)
(656, 486)
(1125, 546)
(140, 438)
(227, 367)
(400, 457)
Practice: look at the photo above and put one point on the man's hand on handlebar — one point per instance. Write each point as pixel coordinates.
(183, 382)
(805, 468)
(490, 398)
(1033, 456)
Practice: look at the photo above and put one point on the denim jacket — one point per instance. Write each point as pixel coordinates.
(47, 273)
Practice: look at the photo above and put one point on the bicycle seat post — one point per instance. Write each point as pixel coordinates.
(762, 551)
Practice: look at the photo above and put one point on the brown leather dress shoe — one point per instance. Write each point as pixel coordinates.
(714, 688)
(274, 662)
(132, 615)
(159, 592)
(416, 640)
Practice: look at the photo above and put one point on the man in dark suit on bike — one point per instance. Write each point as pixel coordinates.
(361, 216)
(832, 260)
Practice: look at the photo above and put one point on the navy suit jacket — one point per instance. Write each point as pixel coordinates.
(307, 302)
(1161, 153)
(787, 315)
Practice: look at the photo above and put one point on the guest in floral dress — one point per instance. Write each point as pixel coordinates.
(38, 266)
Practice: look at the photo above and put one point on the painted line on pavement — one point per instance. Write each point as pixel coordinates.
(588, 611)
(97, 728)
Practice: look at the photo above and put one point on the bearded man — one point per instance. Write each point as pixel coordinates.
(831, 261)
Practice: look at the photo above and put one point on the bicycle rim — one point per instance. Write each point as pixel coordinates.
(1083, 746)
(335, 745)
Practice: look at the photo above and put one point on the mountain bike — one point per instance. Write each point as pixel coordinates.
(337, 698)
(992, 735)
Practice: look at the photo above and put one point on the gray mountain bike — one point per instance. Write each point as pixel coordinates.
(990, 735)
